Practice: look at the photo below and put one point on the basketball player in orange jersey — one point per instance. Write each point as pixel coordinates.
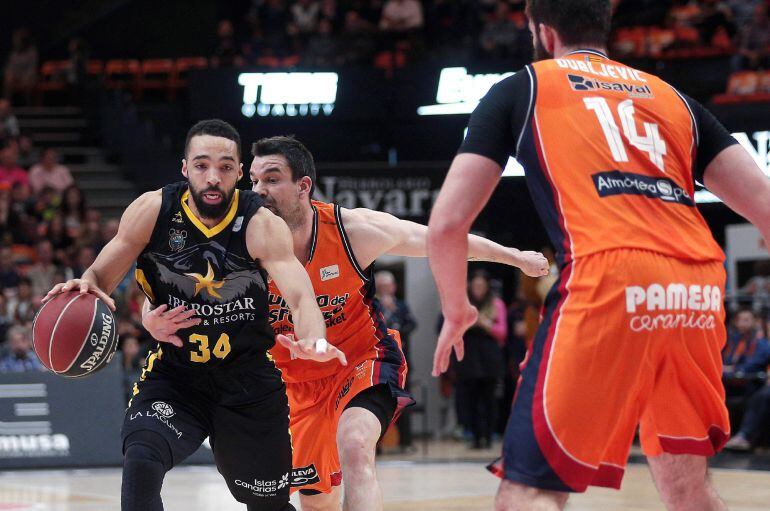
(632, 330)
(337, 416)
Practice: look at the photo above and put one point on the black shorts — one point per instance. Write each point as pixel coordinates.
(243, 412)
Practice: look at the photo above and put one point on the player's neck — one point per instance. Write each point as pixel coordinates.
(561, 51)
(302, 234)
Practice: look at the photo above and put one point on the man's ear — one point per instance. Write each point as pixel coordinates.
(184, 167)
(305, 185)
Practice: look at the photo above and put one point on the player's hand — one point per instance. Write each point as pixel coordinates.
(84, 286)
(312, 349)
(451, 337)
(163, 324)
(533, 264)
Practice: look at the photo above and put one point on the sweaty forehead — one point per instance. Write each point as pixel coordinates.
(213, 147)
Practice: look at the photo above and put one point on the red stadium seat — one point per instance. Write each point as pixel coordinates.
(156, 74)
(179, 79)
(122, 74)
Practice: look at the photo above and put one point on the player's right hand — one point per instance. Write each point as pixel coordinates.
(312, 349)
(84, 286)
(163, 324)
(451, 337)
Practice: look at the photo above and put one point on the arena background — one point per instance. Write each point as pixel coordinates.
(115, 84)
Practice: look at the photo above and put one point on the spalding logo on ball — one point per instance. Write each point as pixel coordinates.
(75, 334)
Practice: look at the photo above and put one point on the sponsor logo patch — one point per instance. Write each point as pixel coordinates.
(330, 272)
(581, 83)
(673, 306)
(616, 182)
(304, 476)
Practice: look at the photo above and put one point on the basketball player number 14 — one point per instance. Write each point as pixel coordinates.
(650, 143)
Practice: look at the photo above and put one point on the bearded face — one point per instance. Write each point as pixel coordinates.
(212, 202)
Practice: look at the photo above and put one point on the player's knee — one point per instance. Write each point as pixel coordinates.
(320, 502)
(145, 449)
(357, 447)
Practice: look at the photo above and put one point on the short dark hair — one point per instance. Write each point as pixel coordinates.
(215, 128)
(298, 157)
(576, 21)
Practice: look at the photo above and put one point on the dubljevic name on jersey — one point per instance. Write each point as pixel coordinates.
(238, 310)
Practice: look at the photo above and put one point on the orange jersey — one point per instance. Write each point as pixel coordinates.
(345, 294)
(609, 154)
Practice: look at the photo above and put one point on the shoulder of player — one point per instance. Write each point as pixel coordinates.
(265, 230)
(138, 221)
(364, 219)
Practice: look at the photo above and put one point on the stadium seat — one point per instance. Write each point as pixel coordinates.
(156, 74)
(122, 74)
(179, 79)
(52, 76)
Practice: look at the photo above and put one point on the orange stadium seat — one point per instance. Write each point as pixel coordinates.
(156, 74)
(122, 74)
(183, 65)
(52, 75)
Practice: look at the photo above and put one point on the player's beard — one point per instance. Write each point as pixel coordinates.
(290, 213)
(211, 211)
(540, 53)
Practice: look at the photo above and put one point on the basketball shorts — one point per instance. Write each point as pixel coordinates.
(244, 412)
(628, 339)
(316, 407)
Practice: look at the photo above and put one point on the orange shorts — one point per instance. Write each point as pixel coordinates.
(628, 338)
(316, 406)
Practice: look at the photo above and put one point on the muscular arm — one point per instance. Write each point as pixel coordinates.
(270, 241)
(374, 233)
(734, 177)
(119, 254)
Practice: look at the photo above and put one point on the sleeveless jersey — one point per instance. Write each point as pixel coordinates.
(209, 270)
(609, 152)
(345, 294)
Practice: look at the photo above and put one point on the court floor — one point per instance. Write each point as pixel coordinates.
(407, 486)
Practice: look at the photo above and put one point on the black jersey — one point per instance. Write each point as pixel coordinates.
(209, 270)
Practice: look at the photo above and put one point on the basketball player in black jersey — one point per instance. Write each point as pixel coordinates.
(202, 247)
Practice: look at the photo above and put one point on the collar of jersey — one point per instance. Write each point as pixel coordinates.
(590, 52)
(213, 231)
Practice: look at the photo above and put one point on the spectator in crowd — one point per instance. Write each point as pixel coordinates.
(330, 11)
(401, 16)
(715, 17)
(43, 273)
(86, 255)
(397, 317)
(23, 305)
(482, 367)
(21, 357)
(756, 420)
(321, 48)
(9, 273)
(73, 210)
(227, 53)
(21, 66)
(11, 221)
(758, 286)
(505, 35)
(358, 42)
(754, 41)
(6, 319)
(50, 173)
(305, 14)
(745, 356)
(28, 154)
(55, 231)
(10, 171)
(9, 124)
(77, 68)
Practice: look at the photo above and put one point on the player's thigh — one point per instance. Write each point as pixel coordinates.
(252, 451)
(163, 408)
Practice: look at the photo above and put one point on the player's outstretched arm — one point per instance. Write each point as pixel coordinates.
(119, 254)
(456, 208)
(269, 240)
(734, 177)
(374, 233)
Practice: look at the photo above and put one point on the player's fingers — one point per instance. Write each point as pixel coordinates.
(173, 313)
(287, 343)
(438, 360)
(187, 323)
(83, 285)
(106, 298)
(160, 309)
(175, 340)
(459, 348)
(53, 292)
(186, 315)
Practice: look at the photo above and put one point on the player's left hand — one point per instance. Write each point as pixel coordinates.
(312, 349)
(451, 336)
(533, 264)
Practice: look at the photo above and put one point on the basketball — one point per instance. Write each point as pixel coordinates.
(75, 334)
